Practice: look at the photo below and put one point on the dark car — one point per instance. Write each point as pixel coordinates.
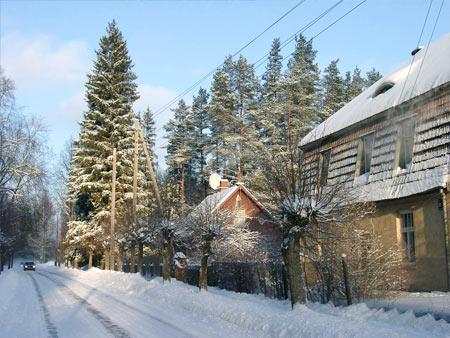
(29, 266)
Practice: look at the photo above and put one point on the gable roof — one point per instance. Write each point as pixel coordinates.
(427, 69)
(214, 201)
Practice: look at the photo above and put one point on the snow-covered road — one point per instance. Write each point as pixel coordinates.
(54, 302)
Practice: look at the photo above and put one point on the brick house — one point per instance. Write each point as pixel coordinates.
(390, 145)
(247, 209)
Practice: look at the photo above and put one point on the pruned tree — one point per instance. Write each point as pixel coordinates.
(305, 211)
(216, 233)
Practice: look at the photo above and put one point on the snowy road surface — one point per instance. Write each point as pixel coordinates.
(55, 302)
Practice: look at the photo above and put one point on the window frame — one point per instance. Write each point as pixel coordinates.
(361, 156)
(410, 125)
(407, 236)
(323, 174)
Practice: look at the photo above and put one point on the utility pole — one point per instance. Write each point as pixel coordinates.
(113, 212)
(57, 240)
(135, 170)
(149, 166)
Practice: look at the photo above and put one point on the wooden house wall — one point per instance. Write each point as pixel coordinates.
(430, 153)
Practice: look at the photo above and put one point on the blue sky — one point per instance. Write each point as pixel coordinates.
(47, 47)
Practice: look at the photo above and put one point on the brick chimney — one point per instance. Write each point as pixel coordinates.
(224, 184)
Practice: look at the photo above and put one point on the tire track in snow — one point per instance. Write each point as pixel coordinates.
(107, 323)
(51, 328)
(184, 333)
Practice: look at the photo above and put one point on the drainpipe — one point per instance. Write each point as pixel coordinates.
(445, 219)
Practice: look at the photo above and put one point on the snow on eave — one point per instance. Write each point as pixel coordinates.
(430, 67)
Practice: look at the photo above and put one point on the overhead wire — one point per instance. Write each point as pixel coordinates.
(319, 33)
(190, 88)
(263, 58)
(426, 48)
(417, 46)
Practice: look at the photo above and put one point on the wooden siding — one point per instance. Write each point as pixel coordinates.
(430, 164)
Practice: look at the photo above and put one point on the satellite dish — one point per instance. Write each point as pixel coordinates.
(214, 181)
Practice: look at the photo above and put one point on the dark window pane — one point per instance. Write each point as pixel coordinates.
(366, 156)
(406, 144)
(324, 166)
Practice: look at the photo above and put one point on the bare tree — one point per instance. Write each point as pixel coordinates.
(212, 232)
(305, 210)
(22, 162)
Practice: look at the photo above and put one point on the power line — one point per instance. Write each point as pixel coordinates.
(417, 46)
(163, 108)
(301, 30)
(318, 34)
(263, 58)
(426, 49)
(326, 28)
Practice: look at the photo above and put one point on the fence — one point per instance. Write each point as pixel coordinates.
(269, 279)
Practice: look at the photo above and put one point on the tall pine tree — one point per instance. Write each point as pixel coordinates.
(333, 91)
(107, 124)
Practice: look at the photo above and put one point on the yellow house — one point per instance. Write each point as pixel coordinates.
(390, 145)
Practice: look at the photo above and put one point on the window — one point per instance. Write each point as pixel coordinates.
(407, 230)
(383, 88)
(364, 154)
(324, 164)
(405, 144)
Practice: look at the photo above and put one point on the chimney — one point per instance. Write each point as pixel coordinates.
(416, 50)
(224, 184)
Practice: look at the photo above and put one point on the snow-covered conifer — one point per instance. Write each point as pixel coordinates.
(333, 91)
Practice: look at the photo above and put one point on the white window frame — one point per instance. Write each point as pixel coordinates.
(407, 235)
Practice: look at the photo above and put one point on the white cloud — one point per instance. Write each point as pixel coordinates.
(70, 111)
(40, 61)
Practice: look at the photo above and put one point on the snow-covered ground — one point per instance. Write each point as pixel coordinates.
(54, 302)
(420, 303)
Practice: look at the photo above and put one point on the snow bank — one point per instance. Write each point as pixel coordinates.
(256, 316)
(436, 302)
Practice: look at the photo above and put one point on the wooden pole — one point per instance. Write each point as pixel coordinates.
(113, 212)
(57, 240)
(346, 283)
(149, 166)
(135, 171)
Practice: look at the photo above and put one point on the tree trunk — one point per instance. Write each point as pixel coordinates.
(132, 256)
(90, 259)
(12, 260)
(9, 261)
(140, 255)
(75, 263)
(295, 272)
(182, 199)
(203, 279)
(107, 265)
(120, 259)
(166, 260)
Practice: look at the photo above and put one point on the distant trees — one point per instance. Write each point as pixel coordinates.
(22, 169)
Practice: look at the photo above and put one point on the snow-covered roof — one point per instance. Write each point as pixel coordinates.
(214, 201)
(430, 68)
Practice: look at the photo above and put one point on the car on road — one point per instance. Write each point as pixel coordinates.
(29, 266)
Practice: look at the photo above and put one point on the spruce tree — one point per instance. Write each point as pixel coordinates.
(372, 76)
(333, 91)
(179, 156)
(149, 130)
(272, 76)
(357, 85)
(301, 92)
(200, 142)
(269, 113)
(107, 124)
(221, 114)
